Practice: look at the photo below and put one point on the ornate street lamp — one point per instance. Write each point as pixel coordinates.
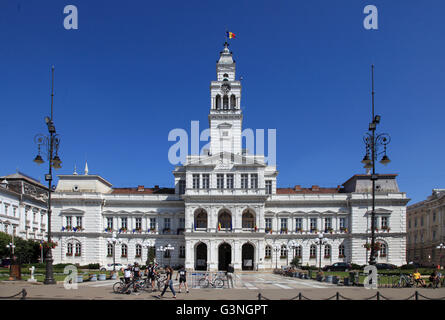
(320, 242)
(373, 143)
(169, 249)
(114, 240)
(276, 248)
(440, 247)
(161, 249)
(50, 145)
(292, 244)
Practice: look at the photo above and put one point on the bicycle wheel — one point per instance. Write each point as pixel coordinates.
(117, 287)
(219, 283)
(203, 283)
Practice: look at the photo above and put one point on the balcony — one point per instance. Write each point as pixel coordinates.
(225, 192)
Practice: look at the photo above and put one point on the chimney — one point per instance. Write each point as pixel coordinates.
(315, 188)
(297, 187)
(156, 187)
(141, 188)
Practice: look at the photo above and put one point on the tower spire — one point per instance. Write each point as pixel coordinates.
(86, 168)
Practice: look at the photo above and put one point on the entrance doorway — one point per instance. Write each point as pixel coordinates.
(247, 253)
(201, 257)
(224, 256)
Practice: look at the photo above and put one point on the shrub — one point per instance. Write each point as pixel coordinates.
(94, 266)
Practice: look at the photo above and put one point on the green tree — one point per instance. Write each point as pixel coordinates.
(151, 255)
(295, 262)
(27, 251)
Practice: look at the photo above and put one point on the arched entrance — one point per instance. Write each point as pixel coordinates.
(201, 257)
(248, 254)
(224, 256)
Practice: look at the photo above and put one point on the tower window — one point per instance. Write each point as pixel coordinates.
(232, 101)
(226, 102)
(218, 102)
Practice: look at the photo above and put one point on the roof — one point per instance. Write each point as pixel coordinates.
(368, 176)
(307, 190)
(143, 190)
(21, 176)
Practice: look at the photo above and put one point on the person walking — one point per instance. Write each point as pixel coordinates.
(182, 273)
(229, 275)
(168, 282)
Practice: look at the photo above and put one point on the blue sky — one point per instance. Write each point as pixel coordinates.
(134, 70)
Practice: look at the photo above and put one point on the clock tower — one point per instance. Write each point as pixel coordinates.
(225, 118)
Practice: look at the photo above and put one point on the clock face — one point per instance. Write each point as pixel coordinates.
(225, 88)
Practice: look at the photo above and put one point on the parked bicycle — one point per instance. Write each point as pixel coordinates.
(405, 281)
(217, 282)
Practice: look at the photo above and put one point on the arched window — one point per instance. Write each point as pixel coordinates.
(218, 102)
(283, 252)
(327, 251)
(232, 101)
(109, 250)
(201, 219)
(299, 251)
(138, 250)
(78, 249)
(225, 220)
(225, 75)
(268, 251)
(69, 249)
(383, 250)
(124, 250)
(341, 251)
(248, 220)
(313, 251)
(225, 102)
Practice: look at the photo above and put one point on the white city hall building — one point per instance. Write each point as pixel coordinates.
(226, 208)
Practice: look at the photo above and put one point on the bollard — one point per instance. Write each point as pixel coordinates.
(259, 296)
(299, 296)
(417, 295)
(378, 295)
(337, 295)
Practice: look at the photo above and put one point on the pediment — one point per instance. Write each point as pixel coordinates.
(225, 159)
(72, 211)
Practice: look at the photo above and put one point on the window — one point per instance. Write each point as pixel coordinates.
(327, 251)
(434, 216)
(327, 224)
(6, 228)
(384, 222)
(313, 224)
(124, 250)
(205, 181)
(110, 223)
(298, 224)
(283, 252)
(201, 219)
(244, 181)
(268, 222)
(167, 254)
(232, 101)
(409, 223)
(225, 102)
(415, 222)
(182, 252)
(434, 234)
(421, 221)
(109, 250)
(138, 223)
(166, 223)
(254, 181)
(6, 209)
(299, 251)
(79, 222)
(268, 251)
(69, 221)
(14, 211)
(268, 186)
(138, 250)
(78, 249)
(124, 224)
(220, 181)
(383, 250)
(225, 220)
(341, 251)
(182, 223)
(181, 187)
(248, 220)
(196, 181)
(313, 251)
(152, 223)
(283, 224)
(229, 181)
(69, 249)
(218, 102)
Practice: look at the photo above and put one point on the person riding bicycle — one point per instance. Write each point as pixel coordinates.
(136, 275)
(417, 278)
(151, 275)
(182, 273)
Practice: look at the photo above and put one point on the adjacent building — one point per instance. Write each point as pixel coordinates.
(226, 207)
(426, 230)
(23, 206)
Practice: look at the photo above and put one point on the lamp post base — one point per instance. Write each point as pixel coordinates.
(49, 276)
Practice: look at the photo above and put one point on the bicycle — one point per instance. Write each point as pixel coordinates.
(205, 282)
(404, 282)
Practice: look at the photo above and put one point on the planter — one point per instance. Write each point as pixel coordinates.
(79, 279)
(296, 274)
(319, 278)
(93, 277)
(114, 276)
(335, 280)
(328, 279)
(346, 281)
(102, 277)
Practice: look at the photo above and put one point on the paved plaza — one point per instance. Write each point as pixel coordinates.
(247, 287)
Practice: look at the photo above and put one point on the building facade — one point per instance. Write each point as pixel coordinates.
(226, 208)
(426, 230)
(23, 207)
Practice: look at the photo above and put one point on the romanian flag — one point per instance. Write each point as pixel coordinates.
(219, 226)
(230, 35)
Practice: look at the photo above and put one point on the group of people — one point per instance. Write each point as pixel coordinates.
(134, 273)
(434, 278)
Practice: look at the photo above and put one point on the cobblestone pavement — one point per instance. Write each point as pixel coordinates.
(247, 286)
